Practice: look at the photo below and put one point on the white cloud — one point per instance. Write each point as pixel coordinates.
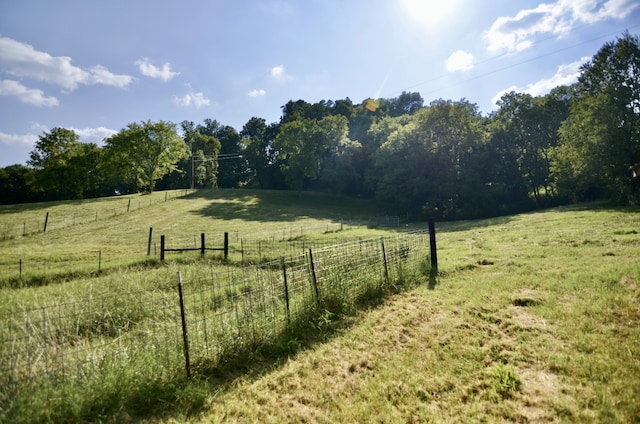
(459, 61)
(148, 69)
(25, 94)
(278, 73)
(101, 75)
(558, 18)
(257, 93)
(93, 135)
(13, 139)
(191, 98)
(565, 75)
(22, 60)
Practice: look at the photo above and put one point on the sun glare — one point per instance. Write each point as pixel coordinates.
(430, 13)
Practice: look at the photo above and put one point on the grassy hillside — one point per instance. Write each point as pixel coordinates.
(83, 237)
(533, 318)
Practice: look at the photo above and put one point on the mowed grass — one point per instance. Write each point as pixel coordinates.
(535, 318)
(532, 318)
(68, 251)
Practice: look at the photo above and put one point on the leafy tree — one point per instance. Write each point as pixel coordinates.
(16, 185)
(259, 154)
(140, 154)
(304, 144)
(524, 130)
(601, 136)
(65, 167)
(433, 164)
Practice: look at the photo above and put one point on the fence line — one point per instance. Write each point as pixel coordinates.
(53, 221)
(227, 310)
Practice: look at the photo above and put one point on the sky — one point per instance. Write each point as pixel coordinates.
(96, 66)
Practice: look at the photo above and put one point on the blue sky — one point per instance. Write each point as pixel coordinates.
(95, 66)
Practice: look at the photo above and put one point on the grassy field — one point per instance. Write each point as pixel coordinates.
(532, 318)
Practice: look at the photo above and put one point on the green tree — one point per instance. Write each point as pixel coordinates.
(601, 136)
(433, 165)
(64, 167)
(303, 145)
(259, 154)
(140, 154)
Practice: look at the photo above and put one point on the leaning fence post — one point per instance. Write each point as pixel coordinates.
(185, 337)
(286, 287)
(46, 221)
(432, 244)
(149, 243)
(226, 245)
(384, 260)
(314, 279)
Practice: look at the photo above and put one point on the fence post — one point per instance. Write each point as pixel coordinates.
(162, 248)
(149, 243)
(314, 279)
(201, 244)
(21, 267)
(286, 287)
(99, 260)
(432, 244)
(226, 245)
(129, 206)
(185, 336)
(384, 259)
(46, 221)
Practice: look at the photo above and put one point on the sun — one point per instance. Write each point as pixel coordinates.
(431, 14)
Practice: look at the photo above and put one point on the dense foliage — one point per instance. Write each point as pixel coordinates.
(445, 159)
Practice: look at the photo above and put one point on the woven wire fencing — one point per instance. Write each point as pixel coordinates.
(221, 313)
(90, 338)
(252, 305)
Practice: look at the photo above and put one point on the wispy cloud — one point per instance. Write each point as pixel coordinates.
(101, 75)
(148, 69)
(26, 95)
(565, 75)
(257, 93)
(517, 33)
(278, 73)
(93, 135)
(18, 139)
(459, 61)
(192, 98)
(22, 60)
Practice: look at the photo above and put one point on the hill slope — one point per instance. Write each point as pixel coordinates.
(535, 319)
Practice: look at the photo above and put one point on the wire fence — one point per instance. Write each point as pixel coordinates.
(161, 331)
(103, 209)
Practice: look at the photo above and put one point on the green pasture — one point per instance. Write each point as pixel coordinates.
(531, 318)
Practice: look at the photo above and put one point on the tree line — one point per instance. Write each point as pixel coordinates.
(444, 159)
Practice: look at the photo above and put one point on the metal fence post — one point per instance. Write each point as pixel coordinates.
(384, 259)
(286, 287)
(185, 337)
(314, 279)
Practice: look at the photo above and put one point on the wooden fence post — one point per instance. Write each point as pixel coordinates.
(129, 206)
(46, 221)
(286, 287)
(226, 245)
(432, 244)
(314, 279)
(384, 260)
(201, 244)
(149, 243)
(185, 336)
(162, 248)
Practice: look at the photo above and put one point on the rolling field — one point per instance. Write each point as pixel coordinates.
(531, 318)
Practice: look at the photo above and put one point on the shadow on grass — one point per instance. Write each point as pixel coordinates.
(281, 206)
(188, 398)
